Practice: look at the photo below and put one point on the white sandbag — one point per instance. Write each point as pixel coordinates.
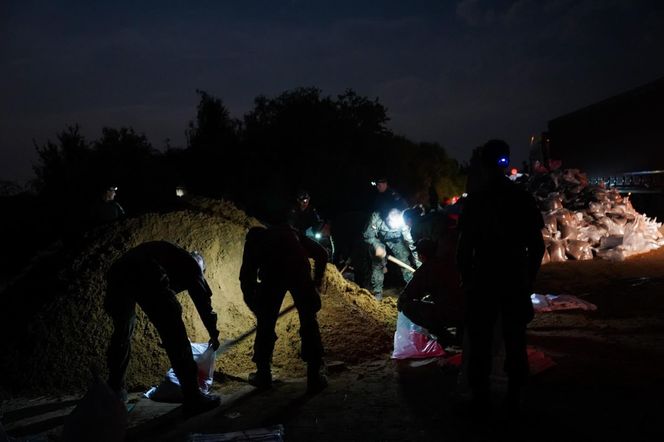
(169, 390)
(610, 242)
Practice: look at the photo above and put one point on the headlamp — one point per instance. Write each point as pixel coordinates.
(503, 161)
(395, 220)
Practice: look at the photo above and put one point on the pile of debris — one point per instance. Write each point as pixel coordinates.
(583, 221)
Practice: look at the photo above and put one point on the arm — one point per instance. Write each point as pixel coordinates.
(370, 234)
(319, 255)
(201, 294)
(408, 239)
(249, 276)
(416, 288)
(465, 247)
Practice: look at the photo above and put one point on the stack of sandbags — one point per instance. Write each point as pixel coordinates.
(583, 221)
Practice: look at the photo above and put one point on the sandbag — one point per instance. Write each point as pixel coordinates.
(568, 231)
(550, 222)
(579, 250)
(413, 342)
(557, 251)
(553, 202)
(611, 241)
(169, 390)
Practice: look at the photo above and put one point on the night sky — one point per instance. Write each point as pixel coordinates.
(453, 72)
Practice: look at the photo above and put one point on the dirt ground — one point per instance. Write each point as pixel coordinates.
(607, 384)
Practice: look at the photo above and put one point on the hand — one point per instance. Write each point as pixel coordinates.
(380, 252)
(214, 342)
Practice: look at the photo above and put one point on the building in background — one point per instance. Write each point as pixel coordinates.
(620, 141)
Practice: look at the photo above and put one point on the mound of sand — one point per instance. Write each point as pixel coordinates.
(55, 329)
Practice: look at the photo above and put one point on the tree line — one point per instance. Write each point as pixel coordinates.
(301, 139)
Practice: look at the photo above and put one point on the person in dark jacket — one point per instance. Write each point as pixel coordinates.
(303, 215)
(499, 254)
(150, 275)
(386, 197)
(433, 299)
(107, 209)
(278, 257)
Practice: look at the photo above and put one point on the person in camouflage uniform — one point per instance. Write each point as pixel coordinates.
(384, 233)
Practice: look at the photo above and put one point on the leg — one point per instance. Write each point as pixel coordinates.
(402, 253)
(377, 276)
(516, 355)
(119, 350)
(480, 323)
(307, 302)
(270, 300)
(165, 312)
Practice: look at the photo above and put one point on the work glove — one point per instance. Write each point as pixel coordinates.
(214, 343)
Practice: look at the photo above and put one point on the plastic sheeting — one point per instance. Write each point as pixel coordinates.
(413, 342)
(169, 389)
(550, 303)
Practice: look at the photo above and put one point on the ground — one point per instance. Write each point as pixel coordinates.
(607, 384)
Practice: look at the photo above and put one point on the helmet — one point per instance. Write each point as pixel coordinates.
(495, 154)
(199, 259)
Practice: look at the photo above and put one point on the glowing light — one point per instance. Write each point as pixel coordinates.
(179, 192)
(513, 171)
(318, 235)
(395, 220)
(503, 161)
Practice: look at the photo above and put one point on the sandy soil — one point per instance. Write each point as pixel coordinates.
(59, 331)
(608, 382)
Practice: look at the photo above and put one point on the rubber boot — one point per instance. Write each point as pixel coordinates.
(262, 377)
(316, 377)
(198, 402)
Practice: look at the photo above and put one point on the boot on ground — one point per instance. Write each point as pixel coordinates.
(200, 403)
(316, 378)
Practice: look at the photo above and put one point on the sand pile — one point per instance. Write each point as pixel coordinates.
(55, 328)
(584, 221)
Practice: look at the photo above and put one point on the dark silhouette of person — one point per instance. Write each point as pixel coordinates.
(106, 209)
(432, 299)
(278, 257)
(150, 275)
(386, 197)
(303, 215)
(499, 254)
